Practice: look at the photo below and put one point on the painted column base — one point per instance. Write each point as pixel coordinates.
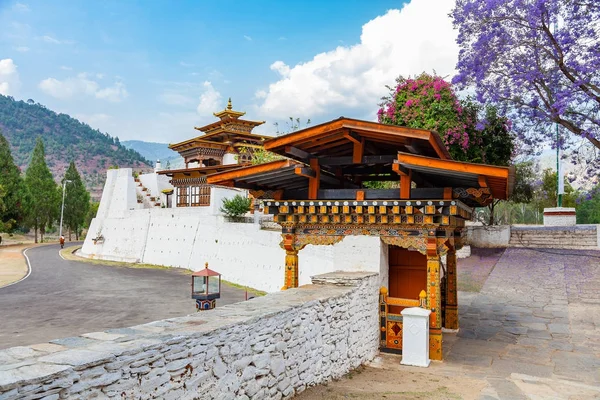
(415, 337)
(560, 216)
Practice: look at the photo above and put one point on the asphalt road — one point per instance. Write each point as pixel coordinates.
(63, 298)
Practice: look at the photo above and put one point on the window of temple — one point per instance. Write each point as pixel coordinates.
(182, 196)
(209, 162)
(200, 195)
(244, 158)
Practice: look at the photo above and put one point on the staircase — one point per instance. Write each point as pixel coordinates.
(583, 237)
(147, 200)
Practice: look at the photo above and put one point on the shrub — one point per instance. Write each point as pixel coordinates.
(236, 206)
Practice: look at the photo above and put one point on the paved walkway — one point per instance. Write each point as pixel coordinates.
(66, 298)
(533, 332)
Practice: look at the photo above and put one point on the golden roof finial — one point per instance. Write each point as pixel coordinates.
(206, 265)
(229, 106)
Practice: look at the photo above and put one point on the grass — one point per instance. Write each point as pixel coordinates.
(69, 254)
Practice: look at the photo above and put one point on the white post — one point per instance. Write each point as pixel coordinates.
(62, 207)
(415, 337)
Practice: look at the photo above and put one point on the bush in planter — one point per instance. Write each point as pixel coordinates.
(235, 207)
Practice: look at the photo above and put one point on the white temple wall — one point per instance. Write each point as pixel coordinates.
(187, 237)
(230, 158)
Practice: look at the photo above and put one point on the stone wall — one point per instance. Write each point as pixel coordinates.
(266, 348)
(488, 236)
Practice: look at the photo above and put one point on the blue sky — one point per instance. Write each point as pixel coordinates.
(151, 70)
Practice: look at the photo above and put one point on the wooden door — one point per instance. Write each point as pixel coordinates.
(408, 275)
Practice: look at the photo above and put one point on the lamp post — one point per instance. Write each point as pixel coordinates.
(62, 207)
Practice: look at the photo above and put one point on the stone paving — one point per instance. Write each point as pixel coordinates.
(536, 322)
(533, 332)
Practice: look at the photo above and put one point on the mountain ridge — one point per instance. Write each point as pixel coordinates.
(65, 138)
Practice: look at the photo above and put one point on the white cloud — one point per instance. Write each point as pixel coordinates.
(248, 38)
(210, 100)
(176, 99)
(53, 40)
(21, 7)
(82, 84)
(9, 77)
(186, 65)
(65, 68)
(260, 94)
(350, 80)
(22, 49)
(115, 93)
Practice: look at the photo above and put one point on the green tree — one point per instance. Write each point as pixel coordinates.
(14, 197)
(77, 201)
(236, 206)
(91, 214)
(44, 194)
(545, 195)
(588, 209)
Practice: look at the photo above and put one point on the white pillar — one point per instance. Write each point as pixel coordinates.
(415, 337)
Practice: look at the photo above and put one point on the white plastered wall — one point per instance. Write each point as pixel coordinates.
(187, 237)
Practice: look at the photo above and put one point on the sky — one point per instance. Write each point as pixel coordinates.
(152, 70)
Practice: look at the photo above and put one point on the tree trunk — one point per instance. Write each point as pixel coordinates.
(77, 234)
(70, 235)
(42, 231)
(36, 229)
(491, 208)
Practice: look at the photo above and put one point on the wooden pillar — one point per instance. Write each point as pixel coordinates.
(434, 299)
(451, 317)
(313, 182)
(291, 260)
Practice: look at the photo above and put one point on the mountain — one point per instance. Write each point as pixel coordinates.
(65, 139)
(155, 151)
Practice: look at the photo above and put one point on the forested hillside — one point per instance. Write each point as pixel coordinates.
(65, 139)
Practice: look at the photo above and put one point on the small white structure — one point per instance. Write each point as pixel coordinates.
(560, 216)
(415, 337)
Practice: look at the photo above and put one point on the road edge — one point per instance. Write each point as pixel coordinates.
(28, 263)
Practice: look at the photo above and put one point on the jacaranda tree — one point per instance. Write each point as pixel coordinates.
(537, 60)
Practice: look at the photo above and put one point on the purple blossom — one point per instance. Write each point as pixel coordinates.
(516, 57)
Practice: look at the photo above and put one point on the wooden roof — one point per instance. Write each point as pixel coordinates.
(339, 137)
(451, 173)
(202, 170)
(281, 174)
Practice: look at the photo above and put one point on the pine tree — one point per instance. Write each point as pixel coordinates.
(14, 194)
(43, 192)
(77, 201)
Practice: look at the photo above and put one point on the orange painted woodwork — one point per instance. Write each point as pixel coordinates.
(313, 183)
(364, 129)
(405, 186)
(250, 170)
(447, 193)
(358, 151)
(360, 195)
(407, 275)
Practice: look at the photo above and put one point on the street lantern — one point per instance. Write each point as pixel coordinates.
(206, 288)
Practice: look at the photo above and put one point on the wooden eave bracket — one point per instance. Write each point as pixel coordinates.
(482, 181)
(400, 170)
(296, 152)
(307, 172)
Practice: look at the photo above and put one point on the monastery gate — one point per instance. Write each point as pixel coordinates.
(323, 190)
